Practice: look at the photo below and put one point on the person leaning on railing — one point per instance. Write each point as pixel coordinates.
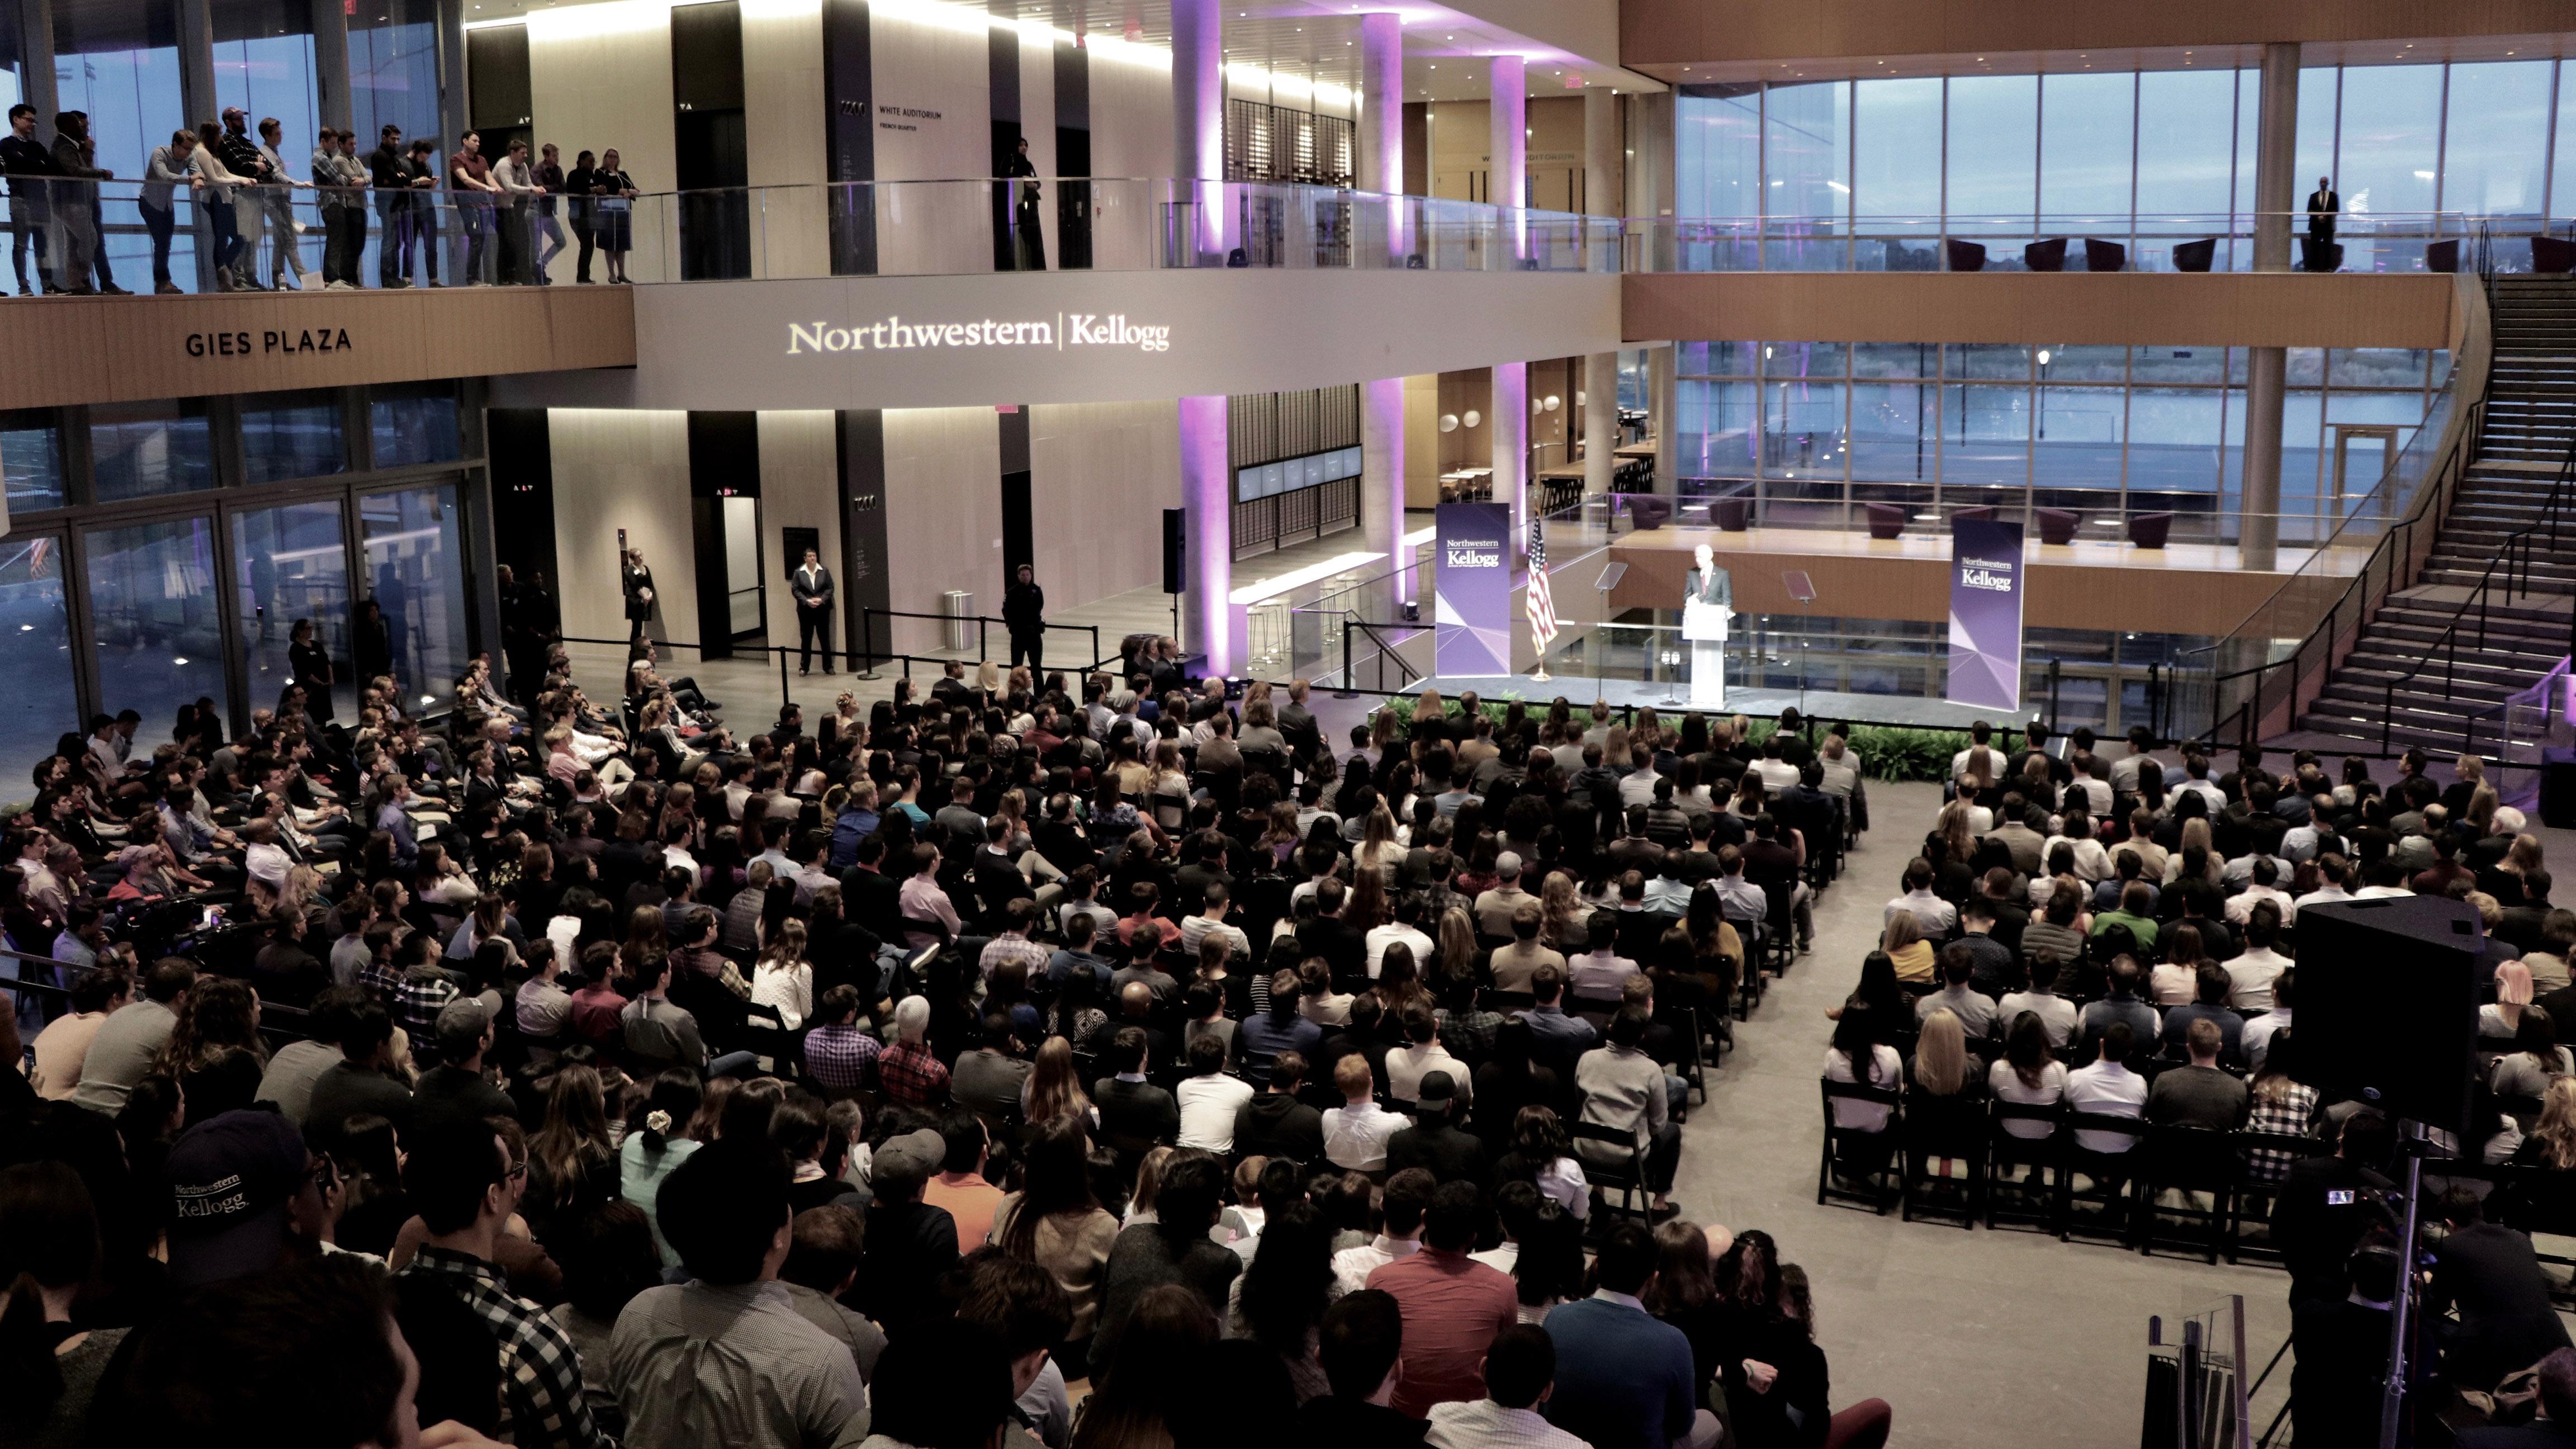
(341, 178)
(169, 168)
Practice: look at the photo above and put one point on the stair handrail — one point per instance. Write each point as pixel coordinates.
(2391, 560)
(2515, 556)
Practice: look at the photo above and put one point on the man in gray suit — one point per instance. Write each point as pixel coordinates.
(812, 585)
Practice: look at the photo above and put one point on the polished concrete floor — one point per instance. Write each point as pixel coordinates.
(1979, 1340)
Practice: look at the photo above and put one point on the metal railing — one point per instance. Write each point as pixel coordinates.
(2054, 242)
(866, 656)
(2253, 676)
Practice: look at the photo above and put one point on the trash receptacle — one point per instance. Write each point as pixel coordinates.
(957, 635)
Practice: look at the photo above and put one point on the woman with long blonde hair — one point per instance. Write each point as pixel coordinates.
(1904, 944)
(1563, 917)
(1054, 1089)
(1941, 1054)
(1380, 849)
(2551, 1142)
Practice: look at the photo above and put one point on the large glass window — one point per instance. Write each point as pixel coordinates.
(2088, 139)
(264, 64)
(1994, 161)
(2497, 139)
(142, 450)
(1807, 148)
(31, 459)
(1802, 428)
(292, 435)
(2186, 143)
(1716, 437)
(1985, 436)
(292, 563)
(120, 63)
(416, 577)
(1888, 440)
(2174, 436)
(2390, 143)
(2075, 438)
(414, 424)
(1717, 154)
(2316, 143)
(1896, 150)
(36, 652)
(152, 605)
(2562, 185)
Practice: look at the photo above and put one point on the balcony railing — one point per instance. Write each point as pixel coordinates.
(973, 226)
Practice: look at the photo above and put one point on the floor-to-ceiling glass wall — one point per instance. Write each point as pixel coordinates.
(415, 576)
(155, 619)
(41, 703)
(291, 567)
(2143, 161)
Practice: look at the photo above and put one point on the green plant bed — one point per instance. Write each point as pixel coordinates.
(1887, 752)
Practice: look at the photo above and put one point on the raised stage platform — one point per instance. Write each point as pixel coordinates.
(1817, 704)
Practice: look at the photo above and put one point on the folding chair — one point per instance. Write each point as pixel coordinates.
(1943, 1129)
(2186, 1159)
(1867, 1157)
(2262, 1163)
(1627, 1174)
(2114, 1175)
(2044, 1156)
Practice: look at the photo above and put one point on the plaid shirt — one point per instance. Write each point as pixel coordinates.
(381, 980)
(1015, 948)
(842, 1057)
(418, 998)
(912, 1077)
(541, 1402)
(2288, 1114)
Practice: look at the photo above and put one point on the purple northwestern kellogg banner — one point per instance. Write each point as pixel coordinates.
(1985, 613)
(1472, 590)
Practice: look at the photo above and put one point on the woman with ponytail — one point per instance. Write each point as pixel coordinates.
(655, 1146)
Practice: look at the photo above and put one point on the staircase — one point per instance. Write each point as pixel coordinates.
(2529, 428)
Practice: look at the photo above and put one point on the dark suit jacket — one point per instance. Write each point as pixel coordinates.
(1451, 1155)
(820, 590)
(1343, 946)
(1135, 1116)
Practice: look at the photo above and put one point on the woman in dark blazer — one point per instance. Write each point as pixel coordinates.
(639, 594)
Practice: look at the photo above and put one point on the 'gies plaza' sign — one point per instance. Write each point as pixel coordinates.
(282, 342)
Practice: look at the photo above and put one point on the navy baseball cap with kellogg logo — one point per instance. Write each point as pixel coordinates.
(231, 1177)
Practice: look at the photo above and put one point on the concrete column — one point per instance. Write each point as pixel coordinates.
(1663, 404)
(2275, 155)
(1510, 426)
(1214, 625)
(1382, 120)
(1382, 467)
(36, 74)
(1198, 114)
(1601, 145)
(1600, 419)
(331, 67)
(196, 63)
(1507, 157)
(452, 109)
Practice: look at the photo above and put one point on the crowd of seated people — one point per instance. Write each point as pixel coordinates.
(2083, 939)
(551, 1073)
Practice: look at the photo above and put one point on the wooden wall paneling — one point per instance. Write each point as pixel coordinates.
(943, 469)
(620, 468)
(1422, 440)
(800, 487)
(1101, 475)
(120, 349)
(601, 77)
(785, 113)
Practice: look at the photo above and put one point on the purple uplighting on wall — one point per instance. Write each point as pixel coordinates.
(1216, 625)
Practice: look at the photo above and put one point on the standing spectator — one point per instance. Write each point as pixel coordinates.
(581, 212)
(239, 158)
(390, 177)
(614, 212)
(727, 1358)
(1024, 611)
(420, 210)
(23, 158)
(169, 168)
(550, 184)
(343, 179)
(74, 213)
(516, 177)
(277, 205)
(469, 175)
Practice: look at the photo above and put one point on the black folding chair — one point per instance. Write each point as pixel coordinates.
(1627, 1174)
(1940, 1130)
(2044, 1156)
(2262, 1163)
(1863, 1156)
(2113, 1173)
(2186, 1160)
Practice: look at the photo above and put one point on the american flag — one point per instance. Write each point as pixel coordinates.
(1542, 604)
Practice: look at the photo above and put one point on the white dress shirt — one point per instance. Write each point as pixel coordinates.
(1355, 1136)
(1485, 1424)
(1208, 1105)
(2107, 1089)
